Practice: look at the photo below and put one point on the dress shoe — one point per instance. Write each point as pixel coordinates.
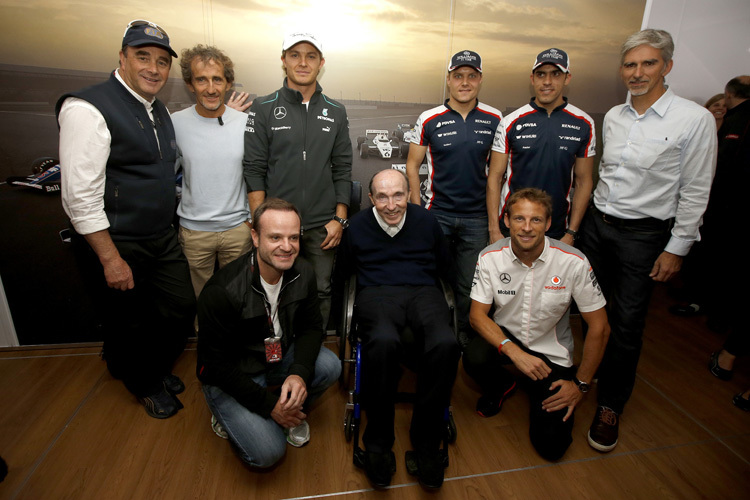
(173, 384)
(604, 429)
(428, 466)
(716, 370)
(490, 406)
(379, 467)
(686, 310)
(741, 403)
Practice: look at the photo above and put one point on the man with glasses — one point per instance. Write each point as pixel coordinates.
(117, 155)
(397, 250)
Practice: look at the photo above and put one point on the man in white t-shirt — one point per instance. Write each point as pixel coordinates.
(531, 280)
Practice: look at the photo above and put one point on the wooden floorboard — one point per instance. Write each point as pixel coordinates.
(68, 430)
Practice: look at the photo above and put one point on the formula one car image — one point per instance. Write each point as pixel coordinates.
(45, 176)
(377, 142)
(401, 129)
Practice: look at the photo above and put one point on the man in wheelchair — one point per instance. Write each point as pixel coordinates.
(397, 251)
(531, 280)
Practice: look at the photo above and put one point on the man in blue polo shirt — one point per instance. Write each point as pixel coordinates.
(457, 138)
(547, 144)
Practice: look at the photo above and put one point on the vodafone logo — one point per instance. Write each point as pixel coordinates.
(556, 284)
(555, 280)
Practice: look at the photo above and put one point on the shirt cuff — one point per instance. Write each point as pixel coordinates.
(678, 246)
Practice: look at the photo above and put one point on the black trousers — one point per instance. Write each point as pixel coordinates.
(382, 313)
(549, 435)
(145, 329)
(622, 254)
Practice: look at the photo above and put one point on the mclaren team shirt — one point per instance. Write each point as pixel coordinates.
(533, 303)
(457, 154)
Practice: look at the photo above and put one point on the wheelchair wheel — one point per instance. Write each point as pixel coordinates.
(451, 433)
(349, 426)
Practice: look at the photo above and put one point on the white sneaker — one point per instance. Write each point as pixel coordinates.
(218, 429)
(299, 435)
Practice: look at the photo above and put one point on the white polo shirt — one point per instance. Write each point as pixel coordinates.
(533, 303)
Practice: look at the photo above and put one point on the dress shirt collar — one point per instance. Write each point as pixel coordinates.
(542, 257)
(390, 230)
(660, 107)
(133, 92)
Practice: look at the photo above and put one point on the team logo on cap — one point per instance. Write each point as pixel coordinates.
(153, 32)
(279, 112)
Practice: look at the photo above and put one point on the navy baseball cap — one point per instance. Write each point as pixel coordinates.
(553, 56)
(465, 58)
(140, 32)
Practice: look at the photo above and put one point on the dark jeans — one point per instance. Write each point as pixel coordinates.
(549, 435)
(145, 329)
(322, 263)
(622, 254)
(382, 313)
(467, 236)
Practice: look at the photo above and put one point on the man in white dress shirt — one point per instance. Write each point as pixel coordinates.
(117, 156)
(654, 181)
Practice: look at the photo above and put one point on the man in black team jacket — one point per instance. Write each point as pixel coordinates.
(398, 250)
(260, 328)
(117, 155)
(297, 148)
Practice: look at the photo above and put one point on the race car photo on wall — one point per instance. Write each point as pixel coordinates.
(378, 142)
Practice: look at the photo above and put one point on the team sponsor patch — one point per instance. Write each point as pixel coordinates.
(286, 127)
(569, 138)
(567, 125)
(556, 284)
(279, 112)
(486, 122)
(524, 125)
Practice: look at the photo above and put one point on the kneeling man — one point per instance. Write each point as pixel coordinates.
(531, 280)
(397, 250)
(261, 328)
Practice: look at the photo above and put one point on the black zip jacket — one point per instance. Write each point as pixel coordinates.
(301, 155)
(234, 324)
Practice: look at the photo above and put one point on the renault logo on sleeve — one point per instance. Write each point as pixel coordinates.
(279, 112)
(505, 278)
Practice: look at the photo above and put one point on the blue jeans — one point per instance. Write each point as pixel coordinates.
(622, 256)
(467, 236)
(261, 442)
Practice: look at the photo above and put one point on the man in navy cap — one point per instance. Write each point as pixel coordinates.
(457, 137)
(551, 146)
(117, 155)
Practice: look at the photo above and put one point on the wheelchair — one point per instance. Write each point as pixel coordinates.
(350, 354)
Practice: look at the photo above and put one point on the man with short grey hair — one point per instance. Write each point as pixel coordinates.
(654, 181)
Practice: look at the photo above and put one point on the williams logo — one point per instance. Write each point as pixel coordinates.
(279, 112)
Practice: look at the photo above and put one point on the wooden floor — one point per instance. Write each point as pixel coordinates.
(68, 430)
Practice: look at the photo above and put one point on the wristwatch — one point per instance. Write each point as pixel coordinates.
(574, 234)
(343, 222)
(582, 386)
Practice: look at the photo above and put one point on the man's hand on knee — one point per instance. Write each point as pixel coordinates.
(293, 393)
(568, 396)
(531, 366)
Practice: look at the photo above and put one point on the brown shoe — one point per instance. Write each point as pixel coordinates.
(604, 429)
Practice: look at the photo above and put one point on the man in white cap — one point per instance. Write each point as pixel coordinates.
(547, 144)
(297, 148)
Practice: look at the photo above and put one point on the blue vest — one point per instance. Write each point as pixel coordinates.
(139, 193)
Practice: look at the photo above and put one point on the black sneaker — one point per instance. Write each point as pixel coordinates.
(173, 384)
(489, 407)
(716, 370)
(429, 467)
(161, 404)
(604, 429)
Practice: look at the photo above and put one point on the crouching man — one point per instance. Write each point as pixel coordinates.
(261, 328)
(531, 280)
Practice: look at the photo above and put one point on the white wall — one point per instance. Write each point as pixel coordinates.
(8, 336)
(712, 42)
